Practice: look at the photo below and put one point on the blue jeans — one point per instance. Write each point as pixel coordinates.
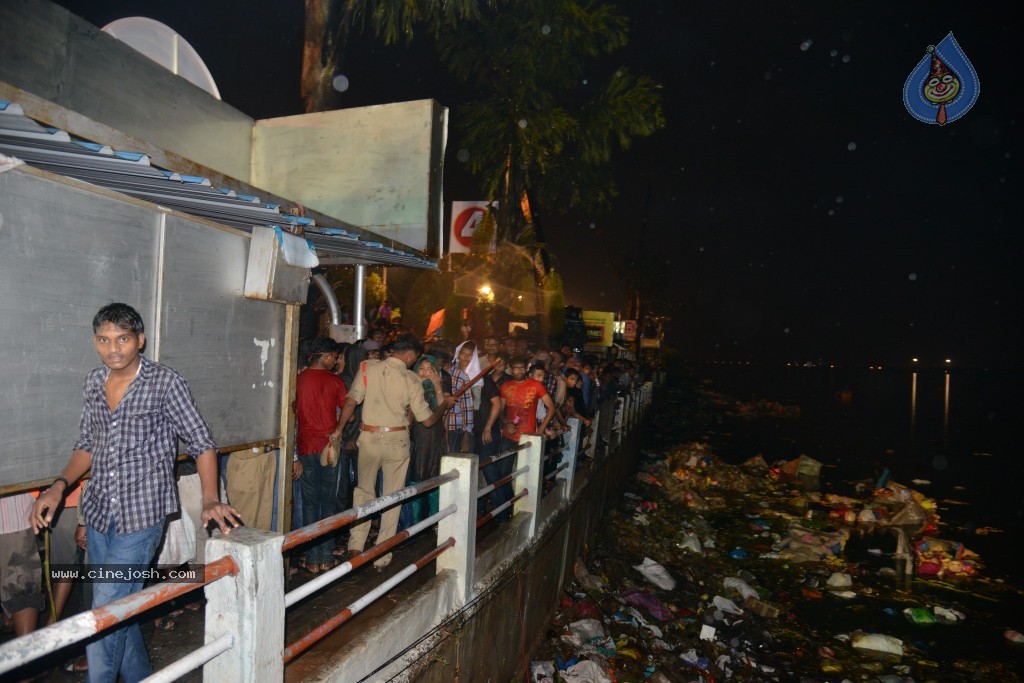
(122, 650)
(319, 486)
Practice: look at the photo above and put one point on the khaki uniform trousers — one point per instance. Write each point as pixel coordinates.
(388, 452)
(251, 487)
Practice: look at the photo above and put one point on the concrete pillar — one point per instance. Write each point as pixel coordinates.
(461, 558)
(533, 480)
(249, 607)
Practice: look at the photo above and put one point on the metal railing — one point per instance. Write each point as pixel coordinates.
(244, 578)
(32, 646)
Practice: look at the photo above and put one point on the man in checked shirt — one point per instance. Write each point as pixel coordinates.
(134, 412)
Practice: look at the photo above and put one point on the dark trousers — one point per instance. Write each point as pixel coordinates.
(502, 468)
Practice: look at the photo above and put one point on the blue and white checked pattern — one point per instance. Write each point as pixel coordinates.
(133, 449)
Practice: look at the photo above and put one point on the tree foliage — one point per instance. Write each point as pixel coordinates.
(546, 119)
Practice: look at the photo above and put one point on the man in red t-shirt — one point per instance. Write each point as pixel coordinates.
(519, 398)
(319, 395)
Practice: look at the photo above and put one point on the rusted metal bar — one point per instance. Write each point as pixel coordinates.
(362, 558)
(192, 660)
(317, 529)
(473, 381)
(500, 456)
(321, 631)
(121, 610)
(29, 647)
(554, 453)
(501, 508)
(501, 482)
(552, 475)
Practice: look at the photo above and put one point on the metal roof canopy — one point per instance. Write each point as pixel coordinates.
(133, 174)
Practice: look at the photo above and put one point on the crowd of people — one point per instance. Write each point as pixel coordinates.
(394, 405)
(371, 418)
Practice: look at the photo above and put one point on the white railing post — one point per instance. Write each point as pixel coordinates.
(461, 558)
(532, 480)
(249, 607)
(569, 456)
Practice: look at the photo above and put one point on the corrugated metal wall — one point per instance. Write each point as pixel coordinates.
(65, 250)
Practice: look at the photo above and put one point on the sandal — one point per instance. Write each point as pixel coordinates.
(78, 665)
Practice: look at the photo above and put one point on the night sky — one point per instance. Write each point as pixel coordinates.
(792, 206)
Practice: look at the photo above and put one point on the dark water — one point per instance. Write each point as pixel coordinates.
(957, 429)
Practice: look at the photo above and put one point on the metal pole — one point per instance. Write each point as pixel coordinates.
(359, 302)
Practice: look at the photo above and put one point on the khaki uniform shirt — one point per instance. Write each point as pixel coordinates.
(387, 389)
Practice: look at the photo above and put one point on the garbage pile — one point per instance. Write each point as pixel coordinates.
(714, 572)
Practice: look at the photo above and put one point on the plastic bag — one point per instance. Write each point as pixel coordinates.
(840, 580)
(878, 642)
(587, 630)
(726, 605)
(656, 574)
(542, 672)
(741, 586)
(586, 672)
(655, 607)
(329, 455)
(691, 542)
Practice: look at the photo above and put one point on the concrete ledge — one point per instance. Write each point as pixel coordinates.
(501, 547)
(413, 617)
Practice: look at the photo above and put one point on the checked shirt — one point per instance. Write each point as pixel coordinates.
(460, 417)
(134, 448)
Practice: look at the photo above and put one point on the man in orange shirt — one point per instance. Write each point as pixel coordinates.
(519, 397)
